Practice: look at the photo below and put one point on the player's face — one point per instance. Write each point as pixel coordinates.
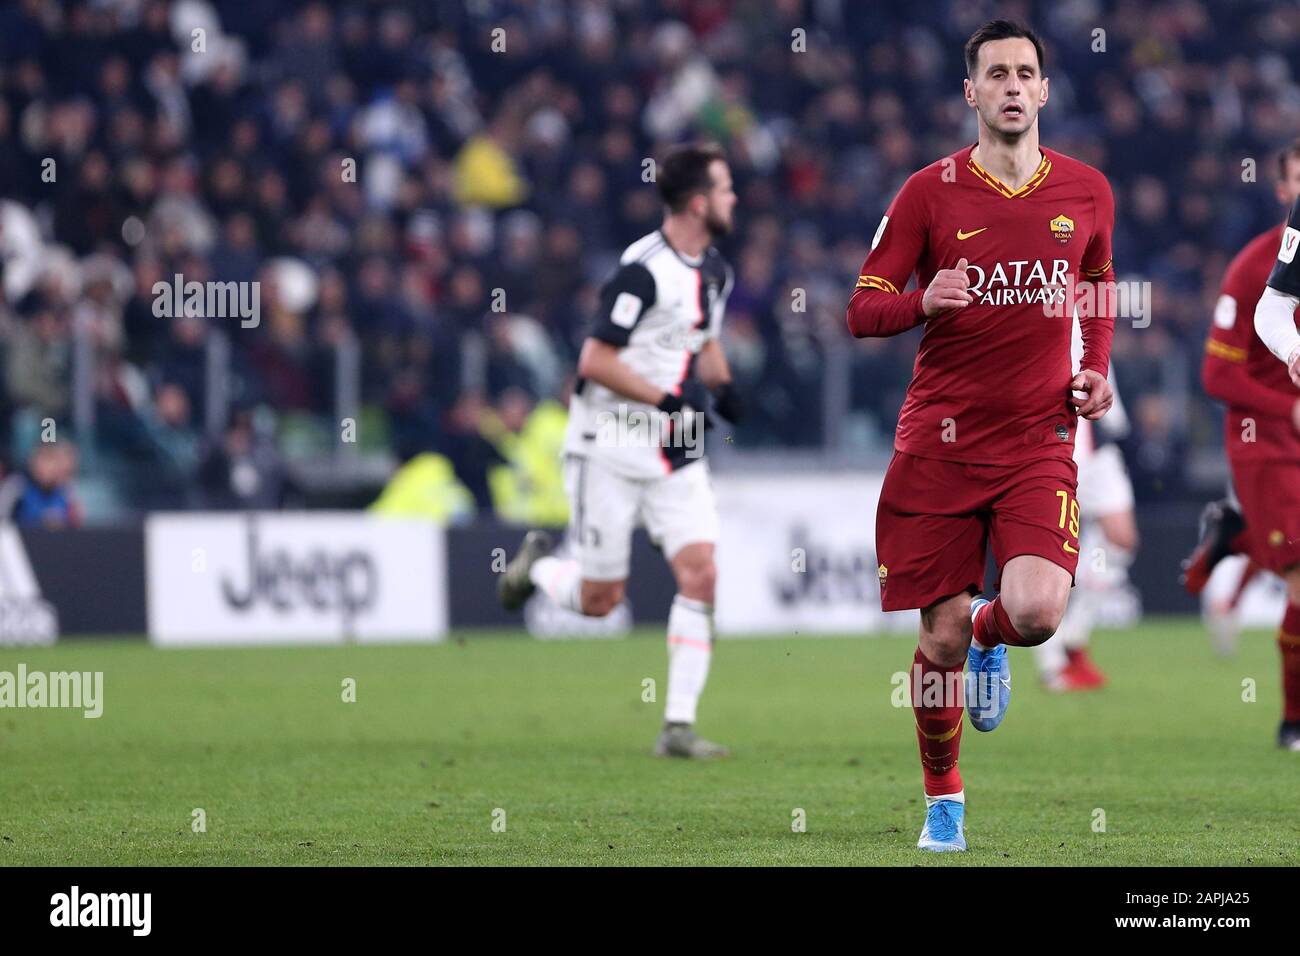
(1289, 188)
(720, 201)
(1007, 88)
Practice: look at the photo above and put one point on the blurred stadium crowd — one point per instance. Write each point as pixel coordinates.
(440, 295)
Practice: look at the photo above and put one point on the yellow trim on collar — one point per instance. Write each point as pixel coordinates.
(1007, 192)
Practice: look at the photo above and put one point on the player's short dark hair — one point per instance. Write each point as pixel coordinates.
(684, 171)
(1000, 30)
(1288, 153)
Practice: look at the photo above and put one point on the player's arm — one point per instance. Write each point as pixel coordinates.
(1224, 376)
(711, 366)
(599, 362)
(623, 301)
(1275, 323)
(1275, 313)
(715, 374)
(1097, 324)
(878, 306)
(1223, 369)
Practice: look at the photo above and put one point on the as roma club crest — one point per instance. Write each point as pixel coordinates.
(1062, 229)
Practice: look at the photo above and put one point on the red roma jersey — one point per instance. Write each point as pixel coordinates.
(991, 384)
(1240, 370)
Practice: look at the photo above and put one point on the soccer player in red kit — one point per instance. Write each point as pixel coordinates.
(996, 233)
(1262, 427)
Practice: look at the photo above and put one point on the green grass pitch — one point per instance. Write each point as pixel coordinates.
(556, 735)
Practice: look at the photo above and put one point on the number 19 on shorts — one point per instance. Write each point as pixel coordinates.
(1070, 518)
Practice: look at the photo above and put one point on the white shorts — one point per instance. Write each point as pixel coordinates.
(605, 506)
(1104, 486)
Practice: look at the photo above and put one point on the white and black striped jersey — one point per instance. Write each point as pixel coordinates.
(660, 308)
(1285, 277)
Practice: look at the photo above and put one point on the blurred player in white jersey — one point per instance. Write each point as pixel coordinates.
(634, 453)
(1107, 543)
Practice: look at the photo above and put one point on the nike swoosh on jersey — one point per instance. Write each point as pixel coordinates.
(1066, 546)
(967, 235)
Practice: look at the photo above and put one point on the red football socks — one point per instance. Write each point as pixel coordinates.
(993, 627)
(1288, 642)
(939, 704)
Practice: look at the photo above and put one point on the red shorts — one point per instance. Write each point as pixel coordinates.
(1269, 492)
(937, 518)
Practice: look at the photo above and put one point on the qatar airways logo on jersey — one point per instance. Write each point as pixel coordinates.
(1019, 282)
(1051, 285)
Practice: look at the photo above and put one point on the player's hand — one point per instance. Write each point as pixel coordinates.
(947, 291)
(1293, 366)
(1099, 399)
(694, 397)
(1295, 416)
